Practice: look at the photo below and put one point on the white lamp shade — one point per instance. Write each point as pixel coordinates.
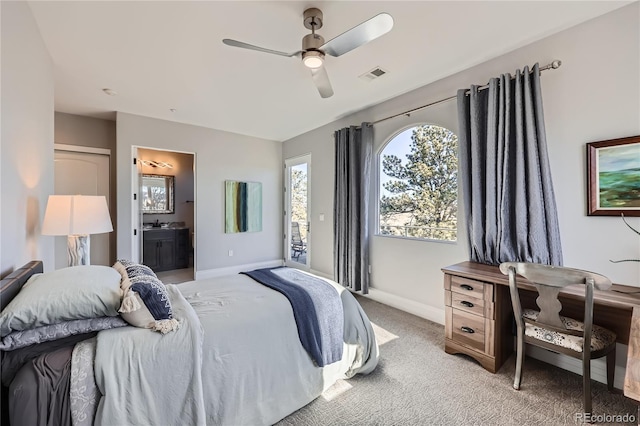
(76, 215)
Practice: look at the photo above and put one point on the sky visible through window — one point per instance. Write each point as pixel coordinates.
(398, 146)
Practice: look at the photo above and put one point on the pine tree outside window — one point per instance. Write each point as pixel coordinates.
(419, 184)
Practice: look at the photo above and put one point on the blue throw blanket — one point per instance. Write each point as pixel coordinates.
(317, 309)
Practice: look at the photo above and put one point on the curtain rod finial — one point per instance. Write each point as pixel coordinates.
(556, 64)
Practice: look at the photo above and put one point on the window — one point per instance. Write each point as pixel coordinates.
(418, 173)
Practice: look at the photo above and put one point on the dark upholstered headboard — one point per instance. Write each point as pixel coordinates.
(9, 287)
(12, 283)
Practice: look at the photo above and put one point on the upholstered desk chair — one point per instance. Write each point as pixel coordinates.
(547, 329)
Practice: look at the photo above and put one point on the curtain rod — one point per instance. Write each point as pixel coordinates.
(552, 66)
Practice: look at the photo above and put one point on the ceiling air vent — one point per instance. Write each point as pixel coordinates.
(373, 74)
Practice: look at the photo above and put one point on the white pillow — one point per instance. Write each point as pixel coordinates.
(77, 292)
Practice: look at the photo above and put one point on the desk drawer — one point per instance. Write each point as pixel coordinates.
(468, 329)
(466, 303)
(472, 288)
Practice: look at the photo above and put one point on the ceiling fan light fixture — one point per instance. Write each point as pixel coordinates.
(314, 47)
(313, 59)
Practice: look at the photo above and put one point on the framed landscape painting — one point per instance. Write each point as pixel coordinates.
(613, 180)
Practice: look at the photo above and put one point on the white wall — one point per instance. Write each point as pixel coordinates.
(26, 150)
(219, 156)
(593, 96)
(72, 129)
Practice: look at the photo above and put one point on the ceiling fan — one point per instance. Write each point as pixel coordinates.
(314, 48)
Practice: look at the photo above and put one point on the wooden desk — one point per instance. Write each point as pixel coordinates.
(632, 374)
(613, 309)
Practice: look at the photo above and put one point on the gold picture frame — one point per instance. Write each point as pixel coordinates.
(613, 177)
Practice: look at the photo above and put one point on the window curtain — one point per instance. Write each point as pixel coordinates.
(506, 180)
(353, 150)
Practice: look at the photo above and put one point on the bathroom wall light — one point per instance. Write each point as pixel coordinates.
(152, 163)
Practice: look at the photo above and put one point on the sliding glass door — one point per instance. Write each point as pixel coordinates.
(297, 218)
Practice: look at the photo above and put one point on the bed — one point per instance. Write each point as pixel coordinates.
(232, 351)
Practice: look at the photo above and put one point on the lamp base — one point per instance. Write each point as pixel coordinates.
(78, 250)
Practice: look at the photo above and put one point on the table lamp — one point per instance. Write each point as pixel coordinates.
(77, 216)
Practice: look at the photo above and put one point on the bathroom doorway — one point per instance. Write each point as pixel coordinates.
(166, 212)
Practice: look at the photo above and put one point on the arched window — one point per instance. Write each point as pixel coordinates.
(418, 195)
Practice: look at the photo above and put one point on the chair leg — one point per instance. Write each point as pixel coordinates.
(611, 368)
(586, 381)
(519, 360)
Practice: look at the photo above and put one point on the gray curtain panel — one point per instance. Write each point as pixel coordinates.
(506, 180)
(353, 151)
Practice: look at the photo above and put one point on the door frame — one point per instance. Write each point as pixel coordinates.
(112, 201)
(288, 163)
(136, 211)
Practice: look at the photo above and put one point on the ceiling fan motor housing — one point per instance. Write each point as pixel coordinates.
(312, 42)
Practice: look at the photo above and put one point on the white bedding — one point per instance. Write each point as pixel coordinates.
(254, 370)
(147, 378)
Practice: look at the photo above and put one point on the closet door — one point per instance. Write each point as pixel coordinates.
(82, 173)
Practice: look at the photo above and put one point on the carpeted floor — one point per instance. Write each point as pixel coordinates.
(417, 383)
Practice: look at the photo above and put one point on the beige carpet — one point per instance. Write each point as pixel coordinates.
(417, 383)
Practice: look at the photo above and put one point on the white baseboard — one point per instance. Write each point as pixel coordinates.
(231, 270)
(416, 308)
(321, 274)
(411, 306)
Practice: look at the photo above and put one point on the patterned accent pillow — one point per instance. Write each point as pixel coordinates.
(154, 295)
(128, 269)
(146, 302)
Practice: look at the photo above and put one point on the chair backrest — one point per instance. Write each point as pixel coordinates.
(549, 280)
(295, 233)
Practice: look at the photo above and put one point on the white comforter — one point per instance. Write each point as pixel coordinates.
(253, 369)
(147, 378)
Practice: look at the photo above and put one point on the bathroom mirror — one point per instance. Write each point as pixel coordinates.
(157, 194)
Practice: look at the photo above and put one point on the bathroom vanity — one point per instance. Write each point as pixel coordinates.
(165, 248)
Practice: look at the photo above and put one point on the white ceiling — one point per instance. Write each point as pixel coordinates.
(160, 55)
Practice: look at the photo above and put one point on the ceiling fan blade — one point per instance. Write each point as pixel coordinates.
(236, 43)
(359, 35)
(321, 80)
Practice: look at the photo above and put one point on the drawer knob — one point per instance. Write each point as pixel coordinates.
(467, 329)
(466, 287)
(467, 304)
